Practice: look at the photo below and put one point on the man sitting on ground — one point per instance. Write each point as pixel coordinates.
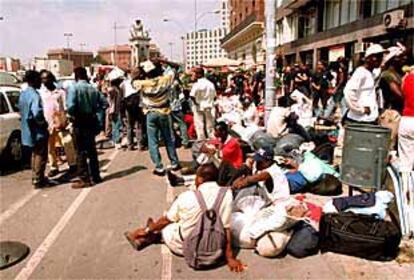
(183, 215)
(269, 174)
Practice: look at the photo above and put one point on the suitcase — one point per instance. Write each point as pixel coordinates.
(358, 235)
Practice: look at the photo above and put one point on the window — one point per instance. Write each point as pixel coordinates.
(4, 108)
(331, 15)
(13, 97)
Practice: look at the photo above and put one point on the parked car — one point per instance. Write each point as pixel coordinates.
(10, 134)
(7, 78)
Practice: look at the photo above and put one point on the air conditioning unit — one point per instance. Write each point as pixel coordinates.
(394, 19)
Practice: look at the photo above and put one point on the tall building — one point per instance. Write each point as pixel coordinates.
(204, 44)
(308, 31)
(225, 15)
(140, 43)
(245, 41)
(79, 58)
(119, 55)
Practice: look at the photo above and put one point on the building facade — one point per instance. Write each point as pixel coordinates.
(308, 31)
(154, 51)
(9, 64)
(59, 67)
(79, 58)
(119, 55)
(140, 43)
(203, 45)
(245, 40)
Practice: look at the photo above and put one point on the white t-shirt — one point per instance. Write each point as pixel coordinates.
(204, 93)
(185, 210)
(281, 191)
(360, 92)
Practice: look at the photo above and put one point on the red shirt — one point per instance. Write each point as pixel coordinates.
(231, 151)
(408, 91)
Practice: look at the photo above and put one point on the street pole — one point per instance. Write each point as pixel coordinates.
(270, 7)
(81, 49)
(68, 36)
(195, 32)
(114, 44)
(184, 51)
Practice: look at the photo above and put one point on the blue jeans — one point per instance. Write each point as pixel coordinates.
(177, 117)
(116, 128)
(297, 181)
(160, 123)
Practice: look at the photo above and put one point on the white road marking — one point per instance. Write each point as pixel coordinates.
(41, 251)
(50, 239)
(17, 205)
(166, 272)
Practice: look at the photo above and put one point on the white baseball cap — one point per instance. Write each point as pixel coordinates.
(374, 49)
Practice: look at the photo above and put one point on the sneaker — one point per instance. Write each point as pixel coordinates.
(159, 172)
(53, 173)
(131, 148)
(118, 146)
(80, 184)
(174, 180)
(175, 167)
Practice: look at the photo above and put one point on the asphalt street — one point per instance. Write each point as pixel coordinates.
(78, 234)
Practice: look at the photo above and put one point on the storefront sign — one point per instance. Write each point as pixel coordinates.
(336, 52)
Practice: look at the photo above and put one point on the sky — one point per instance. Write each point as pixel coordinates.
(30, 27)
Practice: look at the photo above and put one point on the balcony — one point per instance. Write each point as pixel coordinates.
(249, 25)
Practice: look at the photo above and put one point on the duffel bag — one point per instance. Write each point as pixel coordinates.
(304, 241)
(358, 235)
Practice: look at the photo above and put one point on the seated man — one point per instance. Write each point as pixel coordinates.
(183, 215)
(224, 151)
(269, 174)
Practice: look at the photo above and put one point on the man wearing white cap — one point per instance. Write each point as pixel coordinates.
(360, 94)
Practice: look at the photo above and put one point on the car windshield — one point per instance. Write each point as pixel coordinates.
(14, 99)
(8, 79)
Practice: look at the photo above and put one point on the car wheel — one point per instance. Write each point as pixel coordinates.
(13, 150)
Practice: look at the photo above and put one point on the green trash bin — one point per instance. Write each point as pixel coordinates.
(365, 155)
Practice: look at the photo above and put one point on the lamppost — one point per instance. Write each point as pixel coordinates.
(68, 36)
(81, 49)
(116, 27)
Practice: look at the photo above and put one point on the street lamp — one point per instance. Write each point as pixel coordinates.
(116, 27)
(68, 36)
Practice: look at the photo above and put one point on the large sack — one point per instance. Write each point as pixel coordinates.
(272, 244)
(240, 236)
(287, 143)
(359, 235)
(327, 185)
(261, 139)
(304, 241)
(312, 168)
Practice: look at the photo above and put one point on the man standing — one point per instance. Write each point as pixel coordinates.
(359, 92)
(83, 103)
(155, 94)
(320, 84)
(203, 94)
(54, 110)
(34, 127)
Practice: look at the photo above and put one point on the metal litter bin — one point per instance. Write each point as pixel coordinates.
(364, 158)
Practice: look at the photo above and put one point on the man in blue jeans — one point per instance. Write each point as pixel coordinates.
(158, 113)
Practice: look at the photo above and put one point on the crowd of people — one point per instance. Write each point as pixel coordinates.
(219, 115)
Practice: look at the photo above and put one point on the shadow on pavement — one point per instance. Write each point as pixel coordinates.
(124, 173)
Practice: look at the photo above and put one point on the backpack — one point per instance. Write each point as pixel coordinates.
(304, 241)
(205, 246)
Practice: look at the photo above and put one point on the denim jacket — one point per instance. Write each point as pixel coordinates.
(33, 123)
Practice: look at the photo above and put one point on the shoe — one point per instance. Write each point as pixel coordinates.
(97, 180)
(159, 172)
(188, 171)
(143, 148)
(73, 169)
(53, 173)
(118, 146)
(80, 184)
(187, 146)
(45, 183)
(175, 167)
(174, 180)
(131, 148)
